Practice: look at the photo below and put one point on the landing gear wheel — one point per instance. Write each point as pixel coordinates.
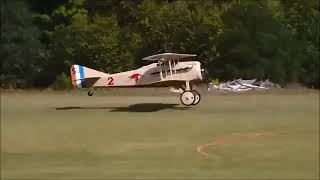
(187, 98)
(197, 97)
(90, 93)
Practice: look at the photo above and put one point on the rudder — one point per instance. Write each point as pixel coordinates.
(77, 76)
(83, 77)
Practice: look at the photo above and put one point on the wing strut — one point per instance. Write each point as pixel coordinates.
(170, 69)
(160, 65)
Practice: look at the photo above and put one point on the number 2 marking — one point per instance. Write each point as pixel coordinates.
(110, 81)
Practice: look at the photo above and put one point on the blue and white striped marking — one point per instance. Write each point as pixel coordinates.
(79, 76)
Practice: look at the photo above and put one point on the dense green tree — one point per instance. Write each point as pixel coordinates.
(255, 45)
(177, 27)
(47, 6)
(302, 18)
(88, 43)
(21, 52)
(278, 40)
(63, 15)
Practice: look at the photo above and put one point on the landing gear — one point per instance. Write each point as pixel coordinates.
(90, 92)
(190, 97)
(197, 97)
(187, 98)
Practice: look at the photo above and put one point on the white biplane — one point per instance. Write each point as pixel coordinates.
(169, 70)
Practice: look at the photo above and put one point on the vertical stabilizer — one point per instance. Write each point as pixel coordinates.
(84, 77)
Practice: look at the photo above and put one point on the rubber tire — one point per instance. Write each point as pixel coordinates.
(90, 93)
(181, 98)
(196, 93)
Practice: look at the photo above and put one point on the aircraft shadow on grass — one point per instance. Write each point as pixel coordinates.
(143, 107)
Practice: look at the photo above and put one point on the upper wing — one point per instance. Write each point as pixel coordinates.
(169, 56)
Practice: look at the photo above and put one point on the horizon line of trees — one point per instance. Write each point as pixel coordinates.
(270, 39)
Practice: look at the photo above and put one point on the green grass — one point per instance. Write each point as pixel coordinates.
(73, 136)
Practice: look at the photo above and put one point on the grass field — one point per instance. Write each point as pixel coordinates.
(51, 135)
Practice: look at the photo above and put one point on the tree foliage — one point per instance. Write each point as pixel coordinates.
(301, 18)
(255, 45)
(21, 52)
(278, 40)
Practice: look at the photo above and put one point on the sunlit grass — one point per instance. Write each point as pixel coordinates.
(151, 137)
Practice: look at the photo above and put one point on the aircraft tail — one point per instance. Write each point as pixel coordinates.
(83, 77)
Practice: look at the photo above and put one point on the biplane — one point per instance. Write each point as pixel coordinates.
(165, 70)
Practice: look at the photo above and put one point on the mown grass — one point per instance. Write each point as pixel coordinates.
(73, 136)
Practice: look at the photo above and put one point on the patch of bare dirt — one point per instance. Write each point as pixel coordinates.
(233, 139)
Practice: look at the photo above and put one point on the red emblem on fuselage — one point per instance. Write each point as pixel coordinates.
(135, 76)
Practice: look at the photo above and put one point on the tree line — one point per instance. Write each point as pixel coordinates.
(269, 39)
